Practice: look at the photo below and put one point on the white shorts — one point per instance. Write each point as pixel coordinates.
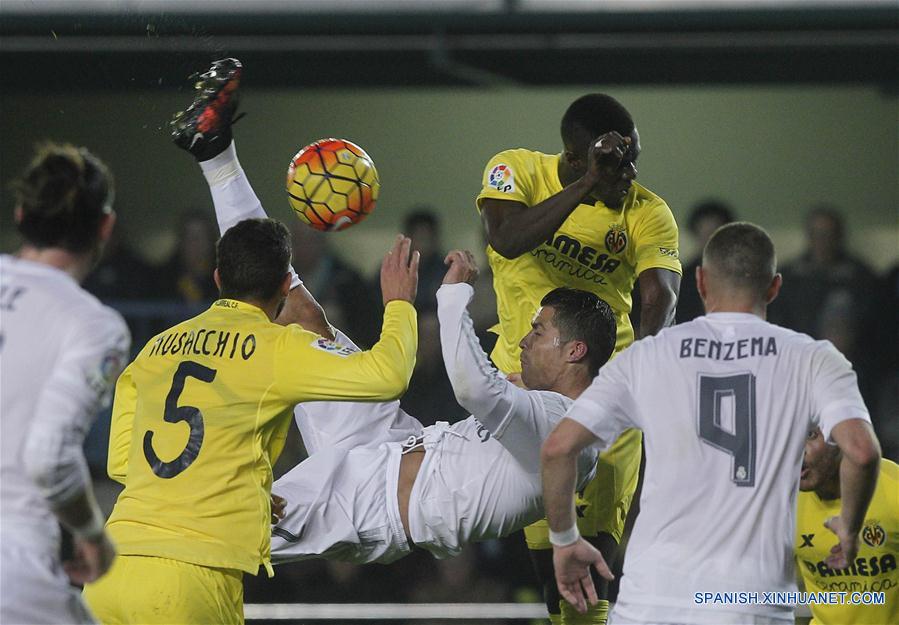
(342, 505)
(35, 589)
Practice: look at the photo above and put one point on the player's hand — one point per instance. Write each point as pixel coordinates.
(279, 508)
(93, 557)
(572, 565)
(604, 159)
(399, 272)
(844, 552)
(462, 267)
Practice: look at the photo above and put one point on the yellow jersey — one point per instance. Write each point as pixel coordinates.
(596, 249)
(202, 413)
(874, 569)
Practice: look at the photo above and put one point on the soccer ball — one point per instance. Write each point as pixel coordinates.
(332, 184)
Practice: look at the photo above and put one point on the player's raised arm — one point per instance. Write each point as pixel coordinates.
(514, 228)
(344, 374)
(515, 417)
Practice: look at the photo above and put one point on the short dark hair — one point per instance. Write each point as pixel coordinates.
(743, 254)
(63, 196)
(253, 258)
(583, 316)
(709, 208)
(597, 114)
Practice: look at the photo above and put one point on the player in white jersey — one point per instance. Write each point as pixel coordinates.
(474, 480)
(60, 353)
(725, 403)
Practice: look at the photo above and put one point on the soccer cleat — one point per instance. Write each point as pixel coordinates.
(204, 129)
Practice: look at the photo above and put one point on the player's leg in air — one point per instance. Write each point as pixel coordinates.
(205, 130)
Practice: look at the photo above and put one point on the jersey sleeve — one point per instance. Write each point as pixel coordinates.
(608, 407)
(309, 367)
(79, 386)
(121, 426)
(656, 240)
(517, 418)
(834, 391)
(508, 177)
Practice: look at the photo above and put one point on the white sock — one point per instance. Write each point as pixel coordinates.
(232, 195)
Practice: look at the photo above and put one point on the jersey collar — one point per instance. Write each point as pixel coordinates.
(234, 304)
(732, 316)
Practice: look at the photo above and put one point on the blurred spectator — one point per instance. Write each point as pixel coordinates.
(825, 268)
(827, 293)
(121, 274)
(422, 225)
(187, 275)
(885, 410)
(483, 305)
(459, 580)
(704, 219)
(887, 312)
(430, 396)
(349, 302)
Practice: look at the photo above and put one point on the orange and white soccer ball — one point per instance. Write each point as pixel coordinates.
(332, 184)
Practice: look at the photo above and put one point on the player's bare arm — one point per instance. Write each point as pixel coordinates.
(572, 555)
(659, 289)
(514, 228)
(858, 479)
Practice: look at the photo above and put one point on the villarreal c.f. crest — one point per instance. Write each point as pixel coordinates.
(616, 240)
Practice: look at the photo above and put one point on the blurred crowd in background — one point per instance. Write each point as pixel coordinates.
(828, 293)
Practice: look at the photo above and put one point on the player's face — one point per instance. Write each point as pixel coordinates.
(613, 188)
(542, 355)
(820, 462)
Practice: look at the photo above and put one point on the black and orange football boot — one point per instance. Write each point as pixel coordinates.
(204, 129)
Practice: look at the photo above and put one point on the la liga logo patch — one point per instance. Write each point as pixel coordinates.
(332, 347)
(501, 178)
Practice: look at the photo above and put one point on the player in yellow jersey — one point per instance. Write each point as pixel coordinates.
(202, 413)
(578, 219)
(874, 569)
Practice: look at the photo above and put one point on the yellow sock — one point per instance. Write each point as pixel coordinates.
(596, 615)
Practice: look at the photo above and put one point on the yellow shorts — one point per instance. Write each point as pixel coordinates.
(603, 504)
(146, 589)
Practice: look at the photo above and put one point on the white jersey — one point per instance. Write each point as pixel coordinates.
(479, 479)
(61, 351)
(725, 403)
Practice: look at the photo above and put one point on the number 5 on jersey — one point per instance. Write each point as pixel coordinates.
(175, 413)
(738, 392)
